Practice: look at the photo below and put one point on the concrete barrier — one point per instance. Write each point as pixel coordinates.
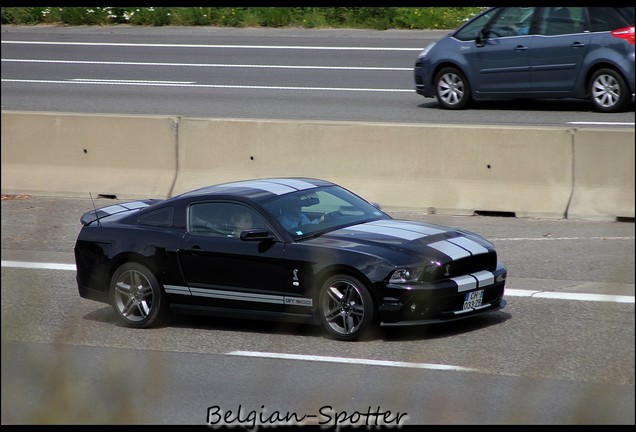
(74, 154)
(436, 168)
(549, 172)
(603, 175)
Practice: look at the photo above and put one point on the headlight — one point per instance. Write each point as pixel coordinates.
(425, 51)
(406, 275)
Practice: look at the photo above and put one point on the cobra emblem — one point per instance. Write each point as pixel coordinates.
(447, 270)
(295, 278)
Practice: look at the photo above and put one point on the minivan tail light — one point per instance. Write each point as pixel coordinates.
(626, 33)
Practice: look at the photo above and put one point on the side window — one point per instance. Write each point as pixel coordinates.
(221, 219)
(470, 31)
(561, 21)
(159, 217)
(512, 21)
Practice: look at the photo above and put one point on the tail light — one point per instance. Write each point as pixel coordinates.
(626, 33)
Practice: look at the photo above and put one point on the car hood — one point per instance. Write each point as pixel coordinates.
(407, 241)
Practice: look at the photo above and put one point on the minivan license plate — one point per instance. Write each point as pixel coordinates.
(473, 299)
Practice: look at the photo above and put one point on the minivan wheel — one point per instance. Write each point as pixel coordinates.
(608, 91)
(452, 88)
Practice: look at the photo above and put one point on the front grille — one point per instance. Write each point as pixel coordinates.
(464, 266)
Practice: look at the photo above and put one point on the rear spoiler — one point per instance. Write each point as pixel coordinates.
(93, 215)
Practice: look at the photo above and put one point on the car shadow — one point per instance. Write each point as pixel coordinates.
(265, 327)
(441, 330)
(103, 315)
(548, 105)
(386, 333)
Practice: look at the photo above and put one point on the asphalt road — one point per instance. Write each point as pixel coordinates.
(333, 75)
(562, 360)
(561, 352)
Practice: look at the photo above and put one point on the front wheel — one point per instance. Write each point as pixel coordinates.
(346, 307)
(452, 89)
(609, 91)
(137, 296)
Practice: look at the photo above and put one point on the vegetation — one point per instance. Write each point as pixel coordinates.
(378, 18)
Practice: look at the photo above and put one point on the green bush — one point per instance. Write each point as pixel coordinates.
(380, 18)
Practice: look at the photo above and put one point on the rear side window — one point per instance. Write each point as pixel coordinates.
(557, 21)
(159, 217)
(607, 19)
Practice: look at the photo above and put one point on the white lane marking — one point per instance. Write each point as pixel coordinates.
(131, 81)
(368, 362)
(569, 296)
(34, 265)
(155, 84)
(601, 123)
(508, 292)
(292, 47)
(215, 65)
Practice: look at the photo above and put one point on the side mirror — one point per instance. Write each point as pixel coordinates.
(482, 36)
(255, 234)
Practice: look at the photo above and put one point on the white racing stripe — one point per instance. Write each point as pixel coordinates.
(465, 283)
(276, 189)
(450, 249)
(468, 244)
(275, 186)
(409, 226)
(385, 230)
(296, 184)
(508, 292)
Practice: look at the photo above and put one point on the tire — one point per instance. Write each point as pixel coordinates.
(137, 297)
(452, 89)
(608, 91)
(346, 307)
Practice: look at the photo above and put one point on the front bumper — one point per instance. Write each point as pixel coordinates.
(422, 81)
(438, 302)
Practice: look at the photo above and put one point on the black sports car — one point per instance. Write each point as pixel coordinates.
(288, 249)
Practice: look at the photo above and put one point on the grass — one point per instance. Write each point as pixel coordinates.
(378, 18)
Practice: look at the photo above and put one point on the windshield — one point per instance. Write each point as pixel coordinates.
(306, 213)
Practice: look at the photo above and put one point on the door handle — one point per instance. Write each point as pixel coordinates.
(577, 45)
(521, 48)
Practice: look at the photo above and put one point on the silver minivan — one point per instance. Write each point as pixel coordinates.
(534, 53)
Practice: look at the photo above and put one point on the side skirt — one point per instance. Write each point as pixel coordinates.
(243, 314)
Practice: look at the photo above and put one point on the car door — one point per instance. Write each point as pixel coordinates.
(558, 49)
(224, 271)
(500, 60)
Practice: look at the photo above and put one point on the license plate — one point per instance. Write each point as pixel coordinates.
(473, 299)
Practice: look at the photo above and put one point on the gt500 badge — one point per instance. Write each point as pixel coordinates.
(298, 301)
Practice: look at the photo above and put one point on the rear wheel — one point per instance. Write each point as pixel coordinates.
(609, 91)
(346, 307)
(137, 297)
(452, 88)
